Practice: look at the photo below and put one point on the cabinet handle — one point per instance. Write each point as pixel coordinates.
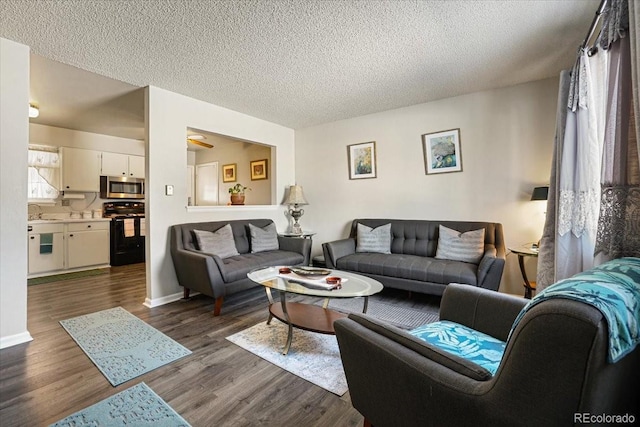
(89, 226)
(32, 237)
(70, 235)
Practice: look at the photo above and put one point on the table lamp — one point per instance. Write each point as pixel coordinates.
(539, 193)
(295, 200)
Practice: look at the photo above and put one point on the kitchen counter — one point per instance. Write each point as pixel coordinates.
(66, 220)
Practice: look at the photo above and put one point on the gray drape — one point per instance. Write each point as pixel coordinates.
(546, 256)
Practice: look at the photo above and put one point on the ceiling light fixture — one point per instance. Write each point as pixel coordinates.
(196, 139)
(34, 111)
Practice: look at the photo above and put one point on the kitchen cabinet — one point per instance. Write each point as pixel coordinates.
(80, 169)
(60, 246)
(87, 244)
(116, 164)
(46, 248)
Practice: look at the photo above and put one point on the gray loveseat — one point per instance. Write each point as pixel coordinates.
(216, 276)
(412, 265)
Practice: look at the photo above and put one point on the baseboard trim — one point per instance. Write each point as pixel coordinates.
(156, 302)
(12, 340)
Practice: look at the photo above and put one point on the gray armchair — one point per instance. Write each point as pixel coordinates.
(554, 367)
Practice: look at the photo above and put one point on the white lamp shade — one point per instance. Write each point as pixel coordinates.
(296, 196)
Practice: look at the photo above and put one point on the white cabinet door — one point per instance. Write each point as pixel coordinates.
(80, 170)
(136, 166)
(86, 248)
(115, 164)
(46, 254)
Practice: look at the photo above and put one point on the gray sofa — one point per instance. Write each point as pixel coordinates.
(216, 277)
(554, 367)
(412, 265)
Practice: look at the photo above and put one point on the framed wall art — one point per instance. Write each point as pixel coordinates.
(259, 169)
(442, 151)
(362, 160)
(229, 173)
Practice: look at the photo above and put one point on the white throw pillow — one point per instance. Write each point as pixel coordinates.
(263, 239)
(219, 242)
(373, 239)
(456, 246)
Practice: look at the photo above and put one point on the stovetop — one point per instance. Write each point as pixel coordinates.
(121, 209)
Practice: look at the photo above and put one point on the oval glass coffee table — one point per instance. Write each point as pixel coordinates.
(310, 317)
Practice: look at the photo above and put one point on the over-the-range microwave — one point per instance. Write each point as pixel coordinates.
(121, 187)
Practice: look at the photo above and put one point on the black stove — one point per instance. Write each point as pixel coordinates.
(122, 209)
(128, 230)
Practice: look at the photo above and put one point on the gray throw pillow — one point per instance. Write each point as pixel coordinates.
(373, 239)
(219, 242)
(263, 239)
(456, 246)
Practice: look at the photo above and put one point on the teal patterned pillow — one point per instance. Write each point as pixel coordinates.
(477, 347)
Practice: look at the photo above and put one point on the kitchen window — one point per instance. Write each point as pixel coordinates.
(43, 173)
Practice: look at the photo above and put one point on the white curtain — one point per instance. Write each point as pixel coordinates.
(579, 185)
(44, 174)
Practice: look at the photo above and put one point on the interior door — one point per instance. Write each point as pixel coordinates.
(207, 184)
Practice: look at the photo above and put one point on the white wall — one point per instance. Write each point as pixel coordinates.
(506, 143)
(61, 137)
(167, 116)
(14, 133)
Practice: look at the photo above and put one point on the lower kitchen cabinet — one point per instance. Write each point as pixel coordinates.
(87, 244)
(46, 248)
(59, 247)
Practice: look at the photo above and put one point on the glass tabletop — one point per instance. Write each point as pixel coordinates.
(355, 285)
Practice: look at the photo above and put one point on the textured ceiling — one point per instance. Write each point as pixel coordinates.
(302, 63)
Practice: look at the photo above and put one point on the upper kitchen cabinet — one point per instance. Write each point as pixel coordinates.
(80, 169)
(116, 164)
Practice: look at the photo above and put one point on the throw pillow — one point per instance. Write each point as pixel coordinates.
(219, 242)
(373, 239)
(456, 246)
(263, 239)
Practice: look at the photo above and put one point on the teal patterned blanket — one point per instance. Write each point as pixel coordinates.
(614, 289)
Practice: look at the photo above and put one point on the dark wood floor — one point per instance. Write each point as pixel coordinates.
(220, 384)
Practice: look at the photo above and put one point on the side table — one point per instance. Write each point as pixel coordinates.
(522, 252)
(304, 235)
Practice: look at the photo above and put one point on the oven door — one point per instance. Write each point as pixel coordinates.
(127, 242)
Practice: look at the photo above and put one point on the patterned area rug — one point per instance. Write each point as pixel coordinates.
(66, 276)
(136, 406)
(313, 357)
(402, 317)
(121, 345)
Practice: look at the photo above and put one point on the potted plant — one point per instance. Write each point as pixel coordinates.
(237, 194)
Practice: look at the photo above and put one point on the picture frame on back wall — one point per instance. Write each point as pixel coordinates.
(258, 169)
(442, 151)
(362, 160)
(229, 173)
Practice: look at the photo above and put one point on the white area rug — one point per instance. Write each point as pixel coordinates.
(312, 356)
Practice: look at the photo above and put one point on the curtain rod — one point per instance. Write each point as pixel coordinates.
(592, 28)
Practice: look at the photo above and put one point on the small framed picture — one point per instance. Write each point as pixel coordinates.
(362, 160)
(229, 173)
(442, 151)
(258, 169)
